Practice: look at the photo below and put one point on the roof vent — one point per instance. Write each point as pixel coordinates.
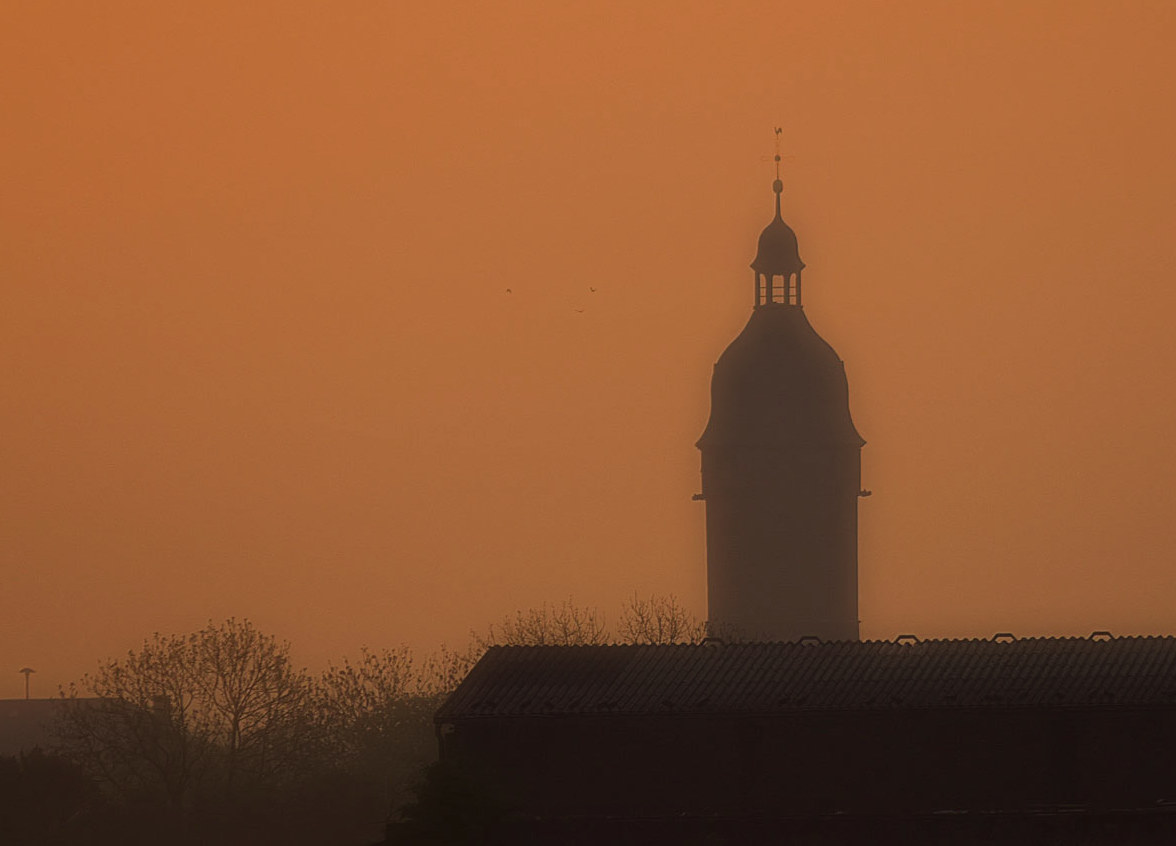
(1004, 637)
(810, 639)
(1101, 635)
(907, 638)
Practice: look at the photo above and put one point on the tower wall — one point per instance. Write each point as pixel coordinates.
(781, 474)
(781, 528)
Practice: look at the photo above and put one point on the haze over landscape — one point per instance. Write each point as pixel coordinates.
(298, 319)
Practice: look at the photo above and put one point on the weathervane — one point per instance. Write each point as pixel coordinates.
(779, 132)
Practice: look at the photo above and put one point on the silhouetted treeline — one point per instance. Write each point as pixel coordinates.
(216, 736)
(656, 619)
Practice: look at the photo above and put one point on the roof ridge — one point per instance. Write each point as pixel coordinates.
(764, 677)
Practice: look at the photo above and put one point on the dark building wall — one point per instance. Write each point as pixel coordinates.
(26, 724)
(781, 472)
(882, 761)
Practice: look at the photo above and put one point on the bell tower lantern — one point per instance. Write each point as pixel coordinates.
(777, 262)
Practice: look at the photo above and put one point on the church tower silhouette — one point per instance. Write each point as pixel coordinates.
(781, 468)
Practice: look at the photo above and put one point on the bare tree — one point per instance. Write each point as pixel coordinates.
(565, 624)
(442, 671)
(135, 725)
(377, 715)
(654, 620)
(256, 702)
(187, 715)
(352, 693)
(657, 620)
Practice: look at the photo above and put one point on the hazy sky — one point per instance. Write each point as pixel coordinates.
(259, 358)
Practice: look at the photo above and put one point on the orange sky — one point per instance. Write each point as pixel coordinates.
(259, 358)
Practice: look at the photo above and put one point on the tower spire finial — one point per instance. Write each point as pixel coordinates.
(777, 254)
(778, 185)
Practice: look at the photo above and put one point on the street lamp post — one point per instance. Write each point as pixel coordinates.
(28, 671)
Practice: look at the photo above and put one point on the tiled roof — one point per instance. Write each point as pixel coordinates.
(775, 677)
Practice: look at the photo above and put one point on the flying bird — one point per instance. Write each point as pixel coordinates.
(509, 291)
(590, 288)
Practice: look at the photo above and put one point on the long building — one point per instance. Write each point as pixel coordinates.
(808, 739)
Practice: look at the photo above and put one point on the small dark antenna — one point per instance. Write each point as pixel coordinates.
(28, 671)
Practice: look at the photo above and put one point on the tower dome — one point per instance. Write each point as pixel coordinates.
(779, 384)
